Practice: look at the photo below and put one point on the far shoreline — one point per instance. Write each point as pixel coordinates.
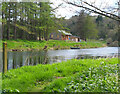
(25, 45)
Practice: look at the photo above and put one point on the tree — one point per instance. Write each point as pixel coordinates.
(85, 27)
(113, 13)
(107, 28)
(27, 20)
(101, 27)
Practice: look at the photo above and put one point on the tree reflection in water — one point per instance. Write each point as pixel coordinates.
(19, 59)
(26, 58)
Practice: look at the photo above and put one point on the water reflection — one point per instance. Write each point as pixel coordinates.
(18, 59)
(1, 60)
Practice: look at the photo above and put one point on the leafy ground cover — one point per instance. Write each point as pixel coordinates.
(51, 44)
(85, 75)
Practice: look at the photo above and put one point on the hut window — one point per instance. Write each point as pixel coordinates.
(57, 36)
(51, 36)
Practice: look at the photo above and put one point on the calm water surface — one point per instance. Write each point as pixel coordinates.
(18, 59)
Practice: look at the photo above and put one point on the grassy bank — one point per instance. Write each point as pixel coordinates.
(86, 75)
(51, 44)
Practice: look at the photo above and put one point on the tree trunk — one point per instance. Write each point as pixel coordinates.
(2, 26)
(15, 19)
(39, 35)
(8, 30)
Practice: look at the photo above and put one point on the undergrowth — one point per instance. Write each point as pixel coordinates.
(85, 75)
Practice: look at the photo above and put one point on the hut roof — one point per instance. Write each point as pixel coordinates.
(64, 32)
(75, 36)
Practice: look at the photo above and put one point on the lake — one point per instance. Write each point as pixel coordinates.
(25, 58)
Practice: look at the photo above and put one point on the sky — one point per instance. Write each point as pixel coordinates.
(68, 11)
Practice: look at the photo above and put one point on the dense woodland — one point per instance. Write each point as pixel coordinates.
(32, 21)
(27, 20)
(93, 27)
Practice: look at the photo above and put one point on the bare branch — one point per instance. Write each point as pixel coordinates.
(100, 9)
(57, 6)
(94, 9)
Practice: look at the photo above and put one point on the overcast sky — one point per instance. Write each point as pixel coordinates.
(68, 11)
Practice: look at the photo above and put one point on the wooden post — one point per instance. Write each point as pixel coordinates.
(4, 57)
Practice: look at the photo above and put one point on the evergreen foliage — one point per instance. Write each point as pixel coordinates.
(27, 20)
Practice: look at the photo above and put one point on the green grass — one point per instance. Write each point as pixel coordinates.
(51, 44)
(0, 44)
(86, 75)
